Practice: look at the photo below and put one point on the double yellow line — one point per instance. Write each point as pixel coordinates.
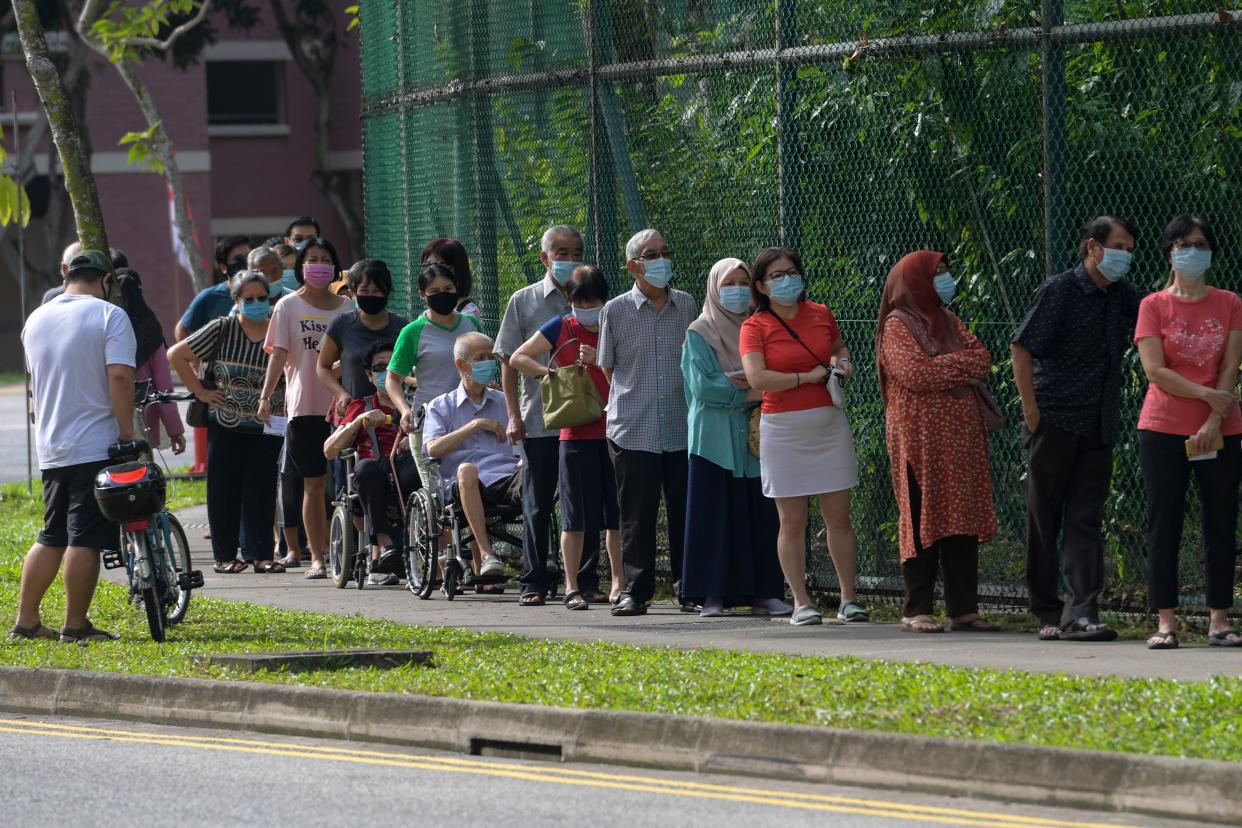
(554, 774)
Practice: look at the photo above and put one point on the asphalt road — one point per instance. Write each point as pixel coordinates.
(77, 772)
(13, 438)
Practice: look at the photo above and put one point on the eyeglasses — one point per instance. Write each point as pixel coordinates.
(780, 277)
(651, 256)
(1202, 246)
(379, 367)
(255, 300)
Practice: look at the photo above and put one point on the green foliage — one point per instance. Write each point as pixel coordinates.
(117, 27)
(13, 198)
(141, 150)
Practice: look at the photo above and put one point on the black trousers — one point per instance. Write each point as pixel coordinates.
(373, 483)
(539, 484)
(1067, 482)
(1166, 472)
(956, 558)
(641, 476)
(241, 469)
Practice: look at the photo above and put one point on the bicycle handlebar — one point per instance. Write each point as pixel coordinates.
(128, 450)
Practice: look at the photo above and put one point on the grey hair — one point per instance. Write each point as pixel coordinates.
(545, 244)
(244, 277)
(260, 255)
(71, 250)
(637, 241)
(463, 344)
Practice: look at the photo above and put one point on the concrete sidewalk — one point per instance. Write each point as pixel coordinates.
(665, 625)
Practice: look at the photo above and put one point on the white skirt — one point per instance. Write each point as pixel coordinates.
(804, 453)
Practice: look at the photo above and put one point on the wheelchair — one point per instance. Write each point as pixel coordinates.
(428, 517)
(349, 547)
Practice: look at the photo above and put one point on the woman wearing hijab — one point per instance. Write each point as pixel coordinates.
(731, 528)
(932, 374)
(151, 357)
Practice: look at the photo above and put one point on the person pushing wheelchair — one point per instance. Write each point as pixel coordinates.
(465, 430)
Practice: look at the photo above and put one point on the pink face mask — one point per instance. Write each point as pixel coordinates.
(318, 275)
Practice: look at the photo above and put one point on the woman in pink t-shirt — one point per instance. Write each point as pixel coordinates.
(1189, 337)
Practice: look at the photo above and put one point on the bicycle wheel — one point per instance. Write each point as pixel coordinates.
(422, 545)
(151, 597)
(341, 543)
(449, 587)
(177, 554)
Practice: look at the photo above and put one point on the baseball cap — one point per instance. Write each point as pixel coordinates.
(90, 260)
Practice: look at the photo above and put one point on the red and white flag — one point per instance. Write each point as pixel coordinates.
(180, 251)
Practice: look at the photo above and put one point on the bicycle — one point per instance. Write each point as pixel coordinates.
(154, 549)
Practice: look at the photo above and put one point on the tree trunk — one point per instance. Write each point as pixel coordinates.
(76, 163)
(162, 147)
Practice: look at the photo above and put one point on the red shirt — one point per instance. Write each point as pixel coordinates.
(386, 435)
(763, 333)
(559, 331)
(1194, 336)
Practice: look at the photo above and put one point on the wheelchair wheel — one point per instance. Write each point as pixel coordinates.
(450, 580)
(342, 546)
(422, 548)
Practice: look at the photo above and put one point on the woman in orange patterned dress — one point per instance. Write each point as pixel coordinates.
(931, 373)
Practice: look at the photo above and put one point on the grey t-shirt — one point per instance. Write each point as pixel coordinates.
(353, 338)
(69, 343)
(529, 309)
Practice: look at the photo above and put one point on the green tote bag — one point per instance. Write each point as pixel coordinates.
(569, 395)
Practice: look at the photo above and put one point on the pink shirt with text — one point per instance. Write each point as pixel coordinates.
(298, 327)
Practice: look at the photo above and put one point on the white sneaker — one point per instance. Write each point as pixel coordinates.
(772, 606)
(712, 608)
(804, 616)
(382, 579)
(492, 566)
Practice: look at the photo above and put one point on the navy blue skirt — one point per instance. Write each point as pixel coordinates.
(731, 530)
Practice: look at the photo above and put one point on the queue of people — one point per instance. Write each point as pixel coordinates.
(729, 413)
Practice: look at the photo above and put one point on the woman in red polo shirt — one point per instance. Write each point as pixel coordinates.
(805, 449)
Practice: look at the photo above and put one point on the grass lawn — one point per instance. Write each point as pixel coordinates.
(1131, 715)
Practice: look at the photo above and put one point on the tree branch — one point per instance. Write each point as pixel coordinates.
(173, 36)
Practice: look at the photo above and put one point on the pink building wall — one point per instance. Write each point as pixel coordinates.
(251, 184)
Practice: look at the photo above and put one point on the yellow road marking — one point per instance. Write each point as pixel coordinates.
(553, 774)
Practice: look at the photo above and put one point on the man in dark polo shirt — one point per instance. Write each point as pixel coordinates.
(1067, 362)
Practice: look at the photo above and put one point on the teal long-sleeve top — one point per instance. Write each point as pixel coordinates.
(719, 412)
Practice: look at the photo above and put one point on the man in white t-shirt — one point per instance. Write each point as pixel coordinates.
(80, 352)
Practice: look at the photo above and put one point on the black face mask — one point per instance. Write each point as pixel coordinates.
(372, 304)
(442, 303)
(236, 265)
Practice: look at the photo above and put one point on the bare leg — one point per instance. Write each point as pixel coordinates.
(842, 545)
(314, 518)
(472, 505)
(38, 571)
(294, 543)
(81, 576)
(791, 546)
(613, 541)
(571, 552)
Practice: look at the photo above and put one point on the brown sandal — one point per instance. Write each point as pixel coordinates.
(920, 624)
(38, 631)
(976, 624)
(275, 567)
(229, 567)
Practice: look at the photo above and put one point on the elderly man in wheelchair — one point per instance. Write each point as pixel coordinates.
(462, 434)
(366, 438)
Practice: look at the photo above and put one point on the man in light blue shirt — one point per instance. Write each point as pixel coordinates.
(465, 430)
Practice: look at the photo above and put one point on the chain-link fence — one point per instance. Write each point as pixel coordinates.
(852, 131)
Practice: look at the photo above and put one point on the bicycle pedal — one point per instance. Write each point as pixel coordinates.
(190, 580)
(112, 559)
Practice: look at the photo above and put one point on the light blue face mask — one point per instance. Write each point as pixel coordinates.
(658, 272)
(1116, 264)
(289, 280)
(588, 316)
(786, 291)
(255, 310)
(735, 298)
(1191, 262)
(945, 287)
(300, 243)
(484, 372)
(381, 380)
(561, 271)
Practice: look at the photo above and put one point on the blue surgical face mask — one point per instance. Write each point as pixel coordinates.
(289, 280)
(484, 372)
(1191, 262)
(658, 272)
(588, 316)
(1116, 264)
(255, 310)
(381, 380)
(735, 298)
(945, 287)
(300, 243)
(275, 290)
(786, 291)
(561, 271)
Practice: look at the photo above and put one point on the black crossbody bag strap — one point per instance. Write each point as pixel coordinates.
(798, 339)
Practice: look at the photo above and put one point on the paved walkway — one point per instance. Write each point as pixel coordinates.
(665, 625)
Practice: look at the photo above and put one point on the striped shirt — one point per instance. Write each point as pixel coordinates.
(238, 366)
(529, 309)
(642, 347)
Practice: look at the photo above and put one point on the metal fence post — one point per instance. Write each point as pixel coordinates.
(601, 209)
(487, 280)
(789, 152)
(1053, 92)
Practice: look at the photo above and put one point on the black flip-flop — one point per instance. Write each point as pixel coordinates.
(1168, 641)
(1086, 629)
(38, 631)
(90, 632)
(1221, 639)
(580, 603)
(229, 567)
(531, 599)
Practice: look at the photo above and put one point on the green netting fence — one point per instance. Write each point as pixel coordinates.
(852, 131)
